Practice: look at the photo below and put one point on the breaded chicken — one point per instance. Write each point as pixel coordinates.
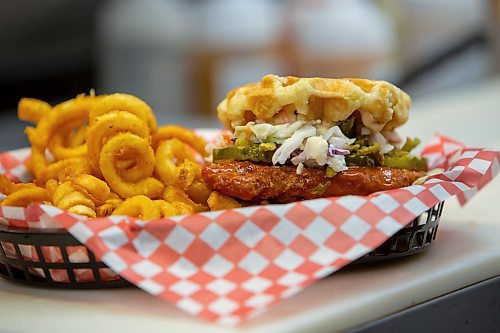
(256, 182)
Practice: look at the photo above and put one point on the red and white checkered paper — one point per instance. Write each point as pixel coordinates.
(226, 266)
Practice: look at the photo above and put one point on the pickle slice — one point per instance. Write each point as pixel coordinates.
(405, 162)
(243, 153)
(410, 144)
(362, 160)
(362, 154)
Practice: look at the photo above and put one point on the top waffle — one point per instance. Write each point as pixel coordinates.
(275, 100)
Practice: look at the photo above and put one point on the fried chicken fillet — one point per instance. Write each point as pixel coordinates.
(304, 138)
(256, 182)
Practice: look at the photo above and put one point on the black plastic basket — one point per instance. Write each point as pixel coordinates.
(419, 234)
(15, 266)
(414, 238)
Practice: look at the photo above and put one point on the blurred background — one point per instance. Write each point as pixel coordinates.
(182, 56)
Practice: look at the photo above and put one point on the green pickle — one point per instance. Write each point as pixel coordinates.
(360, 160)
(410, 144)
(241, 142)
(252, 153)
(369, 150)
(362, 154)
(401, 158)
(267, 146)
(346, 126)
(330, 173)
(405, 162)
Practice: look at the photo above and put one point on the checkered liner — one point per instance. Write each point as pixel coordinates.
(227, 266)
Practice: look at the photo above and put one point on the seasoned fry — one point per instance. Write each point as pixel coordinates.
(139, 206)
(169, 154)
(74, 110)
(102, 155)
(53, 170)
(168, 209)
(51, 186)
(8, 187)
(180, 133)
(77, 137)
(108, 125)
(38, 161)
(97, 189)
(73, 170)
(25, 196)
(124, 102)
(148, 186)
(187, 173)
(81, 194)
(60, 147)
(32, 109)
(109, 205)
(219, 201)
(173, 194)
(70, 198)
(198, 191)
(182, 208)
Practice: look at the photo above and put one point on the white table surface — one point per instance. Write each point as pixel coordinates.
(466, 251)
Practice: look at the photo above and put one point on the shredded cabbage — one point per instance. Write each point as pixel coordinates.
(385, 147)
(292, 143)
(337, 163)
(285, 131)
(311, 144)
(335, 136)
(316, 148)
(263, 131)
(258, 133)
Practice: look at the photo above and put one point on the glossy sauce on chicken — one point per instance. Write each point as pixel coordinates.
(256, 182)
